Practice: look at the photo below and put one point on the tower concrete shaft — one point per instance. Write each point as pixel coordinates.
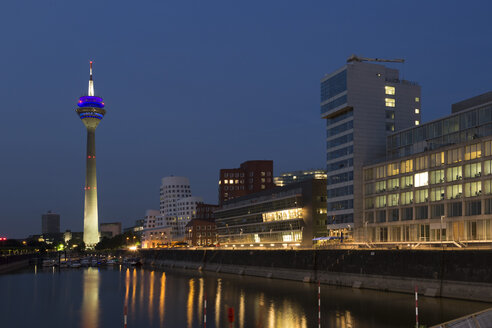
(91, 222)
(91, 112)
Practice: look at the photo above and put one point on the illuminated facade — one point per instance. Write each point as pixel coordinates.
(91, 111)
(362, 103)
(296, 176)
(438, 184)
(250, 177)
(283, 216)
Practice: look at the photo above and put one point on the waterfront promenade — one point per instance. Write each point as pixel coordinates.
(454, 274)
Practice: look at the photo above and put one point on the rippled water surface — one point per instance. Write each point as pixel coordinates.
(95, 297)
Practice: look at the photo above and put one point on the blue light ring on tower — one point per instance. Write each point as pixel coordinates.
(91, 112)
(91, 101)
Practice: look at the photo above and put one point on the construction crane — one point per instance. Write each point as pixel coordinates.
(355, 58)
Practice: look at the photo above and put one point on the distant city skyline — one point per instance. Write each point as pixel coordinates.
(188, 83)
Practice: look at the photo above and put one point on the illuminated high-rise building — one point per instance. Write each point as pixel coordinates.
(91, 111)
(362, 104)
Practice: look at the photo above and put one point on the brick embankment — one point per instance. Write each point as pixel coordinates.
(454, 274)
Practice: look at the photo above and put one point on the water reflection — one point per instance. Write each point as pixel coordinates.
(90, 299)
(189, 305)
(151, 296)
(241, 309)
(218, 295)
(162, 299)
(94, 298)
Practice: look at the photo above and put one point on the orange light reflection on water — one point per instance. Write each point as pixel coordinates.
(162, 299)
(217, 302)
(151, 296)
(191, 295)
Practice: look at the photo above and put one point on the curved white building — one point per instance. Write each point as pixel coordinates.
(173, 189)
(177, 206)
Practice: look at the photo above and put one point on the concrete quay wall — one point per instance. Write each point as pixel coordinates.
(453, 274)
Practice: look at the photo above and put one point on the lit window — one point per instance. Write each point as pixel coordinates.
(231, 181)
(421, 179)
(389, 102)
(389, 90)
(417, 111)
(226, 181)
(417, 122)
(262, 186)
(417, 99)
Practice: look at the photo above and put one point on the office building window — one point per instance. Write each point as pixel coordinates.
(417, 111)
(473, 170)
(393, 169)
(455, 209)
(473, 208)
(380, 172)
(488, 148)
(472, 152)
(390, 114)
(455, 156)
(421, 179)
(407, 214)
(487, 187)
(406, 182)
(380, 186)
(381, 216)
(421, 163)
(389, 102)
(487, 167)
(421, 196)
(436, 176)
(436, 194)
(406, 198)
(437, 159)
(390, 127)
(473, 189)
(454, 173)
(389, 90)
(417, 99)
(437, 211)
(421, 212)
(393, 184)
(454, 191)
(393, 199)
(369, 203)
(417, 122)
(380, 201)
(407, 166)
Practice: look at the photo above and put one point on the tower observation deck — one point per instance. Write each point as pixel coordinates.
(91, 111)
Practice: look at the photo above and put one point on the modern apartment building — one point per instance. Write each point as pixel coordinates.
(283, 216)
(250, 177)
(362, 103)
(437, 184)
(296, 176)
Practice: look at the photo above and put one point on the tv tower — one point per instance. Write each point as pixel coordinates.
(91, 111)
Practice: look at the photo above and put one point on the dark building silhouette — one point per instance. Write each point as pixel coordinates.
(50, 223)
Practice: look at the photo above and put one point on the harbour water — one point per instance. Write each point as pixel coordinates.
(96, 297)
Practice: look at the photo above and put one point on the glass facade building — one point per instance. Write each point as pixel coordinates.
(291, 215)
(362, 103)
(436, 186)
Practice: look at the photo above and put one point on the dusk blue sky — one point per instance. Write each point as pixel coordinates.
(192, 87)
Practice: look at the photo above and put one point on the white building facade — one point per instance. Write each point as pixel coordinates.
(177, 208)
